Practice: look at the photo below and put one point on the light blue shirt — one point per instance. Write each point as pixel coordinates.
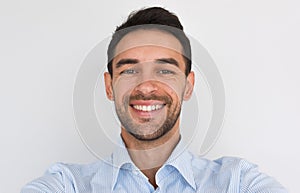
(183, 173)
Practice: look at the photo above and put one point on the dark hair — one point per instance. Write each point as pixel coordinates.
(151, 18)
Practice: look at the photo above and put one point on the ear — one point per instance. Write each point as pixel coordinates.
(108, 86)
(189, 86)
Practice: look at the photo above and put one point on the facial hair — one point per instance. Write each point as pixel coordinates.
(158, 129)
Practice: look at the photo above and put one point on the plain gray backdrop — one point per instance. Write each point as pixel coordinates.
(255, 45)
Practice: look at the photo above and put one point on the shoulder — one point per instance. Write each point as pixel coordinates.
(234, 164)
(83, 170)
(222, 164)
(63, 177)
(234, 173)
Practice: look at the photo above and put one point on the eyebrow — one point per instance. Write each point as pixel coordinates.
(125, 61)
(167, 61)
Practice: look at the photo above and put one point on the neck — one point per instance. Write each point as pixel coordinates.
(149, 156)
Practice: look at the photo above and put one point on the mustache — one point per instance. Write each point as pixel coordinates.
(165, 99)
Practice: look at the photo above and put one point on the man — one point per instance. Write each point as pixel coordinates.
(149, 75)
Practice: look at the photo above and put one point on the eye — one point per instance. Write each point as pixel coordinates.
(165, 72)
(129, 71)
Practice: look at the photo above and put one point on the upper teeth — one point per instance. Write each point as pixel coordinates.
(147, 107)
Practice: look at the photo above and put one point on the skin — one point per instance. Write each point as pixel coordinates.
(148, 70)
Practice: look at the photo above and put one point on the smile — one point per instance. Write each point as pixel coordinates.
(148, 108)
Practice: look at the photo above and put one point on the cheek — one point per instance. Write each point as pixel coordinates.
(176, 87)
(122, 89)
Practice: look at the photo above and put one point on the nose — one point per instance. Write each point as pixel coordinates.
(147, 87)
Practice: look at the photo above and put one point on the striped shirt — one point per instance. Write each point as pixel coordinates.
(182, 173)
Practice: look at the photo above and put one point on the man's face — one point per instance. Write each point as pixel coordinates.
(148, 83)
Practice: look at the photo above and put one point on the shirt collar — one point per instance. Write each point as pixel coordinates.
(121, 159)
(179, 159)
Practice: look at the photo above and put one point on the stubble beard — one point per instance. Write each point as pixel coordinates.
(136, 129)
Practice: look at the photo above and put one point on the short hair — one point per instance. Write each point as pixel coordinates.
(151, 18)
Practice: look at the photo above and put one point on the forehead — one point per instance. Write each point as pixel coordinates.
(149, 37)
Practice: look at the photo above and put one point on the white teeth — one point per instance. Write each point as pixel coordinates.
(147, 108)
(144, 108)
(153, 108)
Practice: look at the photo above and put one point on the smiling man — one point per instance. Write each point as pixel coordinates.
(149, 76)
(148, 84)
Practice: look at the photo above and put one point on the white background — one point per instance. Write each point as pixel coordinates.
(255, 45)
